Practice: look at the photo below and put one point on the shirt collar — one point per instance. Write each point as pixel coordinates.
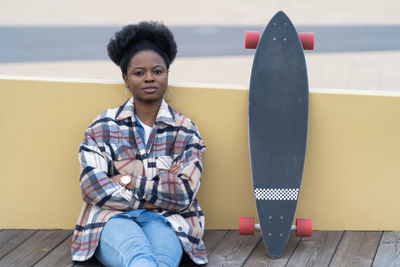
(165, 113)
(126, 110)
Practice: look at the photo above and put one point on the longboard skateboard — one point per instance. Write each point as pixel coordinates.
(278, 126)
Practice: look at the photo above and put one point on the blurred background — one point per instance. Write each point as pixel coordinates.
(357, 42)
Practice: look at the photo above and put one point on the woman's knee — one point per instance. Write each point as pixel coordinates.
(123, 243)
(171, 258)
(166, 245)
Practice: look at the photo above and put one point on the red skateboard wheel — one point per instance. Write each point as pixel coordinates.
(303, 227)
(307, 40)
(251, 40)
(246, 226)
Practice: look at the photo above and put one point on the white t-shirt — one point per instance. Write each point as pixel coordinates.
(147, 130)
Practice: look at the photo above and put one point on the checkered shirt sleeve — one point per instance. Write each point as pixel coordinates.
(96, 187)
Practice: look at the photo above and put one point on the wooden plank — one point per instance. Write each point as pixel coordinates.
(317, 250)
(260, 256)
(234, 249)
(211, 240)
(36, 247)
(60, 256)
(356, 249)
(389, 250)
(10, 239)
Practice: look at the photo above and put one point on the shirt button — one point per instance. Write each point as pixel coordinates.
(180, 228)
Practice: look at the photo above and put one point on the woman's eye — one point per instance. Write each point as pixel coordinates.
(139, 73)
(158, 72)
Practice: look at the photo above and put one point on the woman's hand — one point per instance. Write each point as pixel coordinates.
(150, 206)
(175, 167)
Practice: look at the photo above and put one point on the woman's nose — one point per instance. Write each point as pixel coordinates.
(149, 77)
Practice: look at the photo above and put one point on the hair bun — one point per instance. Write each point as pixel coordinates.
(154, 32)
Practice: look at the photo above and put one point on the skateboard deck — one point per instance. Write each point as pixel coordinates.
(278, 125)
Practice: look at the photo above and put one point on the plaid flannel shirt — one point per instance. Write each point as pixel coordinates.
(112, 145)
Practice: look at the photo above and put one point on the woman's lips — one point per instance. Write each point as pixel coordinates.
(149, 90)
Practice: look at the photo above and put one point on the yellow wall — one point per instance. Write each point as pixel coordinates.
(351, 178)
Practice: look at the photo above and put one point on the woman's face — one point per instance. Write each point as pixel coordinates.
(147, 77)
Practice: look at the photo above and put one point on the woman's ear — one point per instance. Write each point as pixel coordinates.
(125, 78)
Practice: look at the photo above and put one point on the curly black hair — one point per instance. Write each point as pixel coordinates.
(138, 37)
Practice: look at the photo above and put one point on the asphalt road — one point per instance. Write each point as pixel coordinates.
(59, 43)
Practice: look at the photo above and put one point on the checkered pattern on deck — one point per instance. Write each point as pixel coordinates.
(276, 193)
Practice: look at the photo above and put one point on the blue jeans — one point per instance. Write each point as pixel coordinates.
(145, 240)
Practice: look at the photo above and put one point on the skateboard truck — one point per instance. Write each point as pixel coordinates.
(247, 226)
(252, 38)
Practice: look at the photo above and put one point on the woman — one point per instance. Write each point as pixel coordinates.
(141, 165)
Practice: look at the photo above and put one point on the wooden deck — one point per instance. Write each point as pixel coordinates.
(226, 248)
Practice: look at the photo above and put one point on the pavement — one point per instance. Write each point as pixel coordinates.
(357, 44)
